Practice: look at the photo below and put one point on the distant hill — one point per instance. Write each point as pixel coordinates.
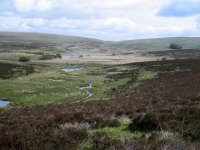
(12, 41)
(160, 44)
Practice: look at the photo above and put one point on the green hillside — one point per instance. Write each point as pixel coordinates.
(11, 41)
(159, 43)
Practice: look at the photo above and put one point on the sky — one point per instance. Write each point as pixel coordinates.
(111, 20)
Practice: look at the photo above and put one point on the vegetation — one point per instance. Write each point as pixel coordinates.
(50, 56)
(149, 116)
(175, 46)
(11, 71)
(144, 105)
(35, 42)
(164, 58)
(177, 54)
(36, 53)
(24, 59)
(40, 87)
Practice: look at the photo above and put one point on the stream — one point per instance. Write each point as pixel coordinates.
(82, 88)
(89, 94)
(71, 69)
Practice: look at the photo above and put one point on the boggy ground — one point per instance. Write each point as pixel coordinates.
(161, 112)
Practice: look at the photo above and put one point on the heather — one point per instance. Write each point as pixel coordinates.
(156, 108)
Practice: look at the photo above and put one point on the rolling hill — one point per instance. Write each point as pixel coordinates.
(11, 41)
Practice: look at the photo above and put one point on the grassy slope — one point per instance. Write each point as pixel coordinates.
(159, 43)
(72, 44)
(40, 37)
(68, 44)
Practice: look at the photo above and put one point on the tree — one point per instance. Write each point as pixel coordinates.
(175, 46)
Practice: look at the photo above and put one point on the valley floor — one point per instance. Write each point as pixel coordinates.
(144, 105)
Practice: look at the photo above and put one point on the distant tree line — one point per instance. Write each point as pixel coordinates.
(43, 56)
(175, 46)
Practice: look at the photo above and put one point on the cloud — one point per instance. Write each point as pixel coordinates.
(198, 22)
(103, 19)
(36, 22)
(3, 27)
(81, 9)
(23, 26)
(179, 8)
(109, 24)
(121, 28)
(32, 5)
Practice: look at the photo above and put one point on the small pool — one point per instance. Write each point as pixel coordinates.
(3, 103)
(70, 69)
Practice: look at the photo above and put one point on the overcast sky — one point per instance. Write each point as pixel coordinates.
(103, 19)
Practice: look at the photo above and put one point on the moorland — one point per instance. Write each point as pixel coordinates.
(144, 94)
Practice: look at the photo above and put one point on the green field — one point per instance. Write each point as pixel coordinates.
(50, 85)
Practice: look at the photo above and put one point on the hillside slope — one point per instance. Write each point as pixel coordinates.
(10, 41)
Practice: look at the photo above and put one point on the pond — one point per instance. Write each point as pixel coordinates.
(3, 103)
(80, 56)
(70, 69)
(75, 56)
(84, 55)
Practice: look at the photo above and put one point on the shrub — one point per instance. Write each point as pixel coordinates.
(150, 122)
(101, 141)
(175, 46)
(50, 56)
(24, 59)
(164, 58)
(174, 143)
(58, 55)
(114, 123)
(47, 56)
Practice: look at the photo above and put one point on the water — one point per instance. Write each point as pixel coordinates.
(70, 69)
(89, 94)
(84, 55)
(3, 103)
(87, 87)
(76, 58)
